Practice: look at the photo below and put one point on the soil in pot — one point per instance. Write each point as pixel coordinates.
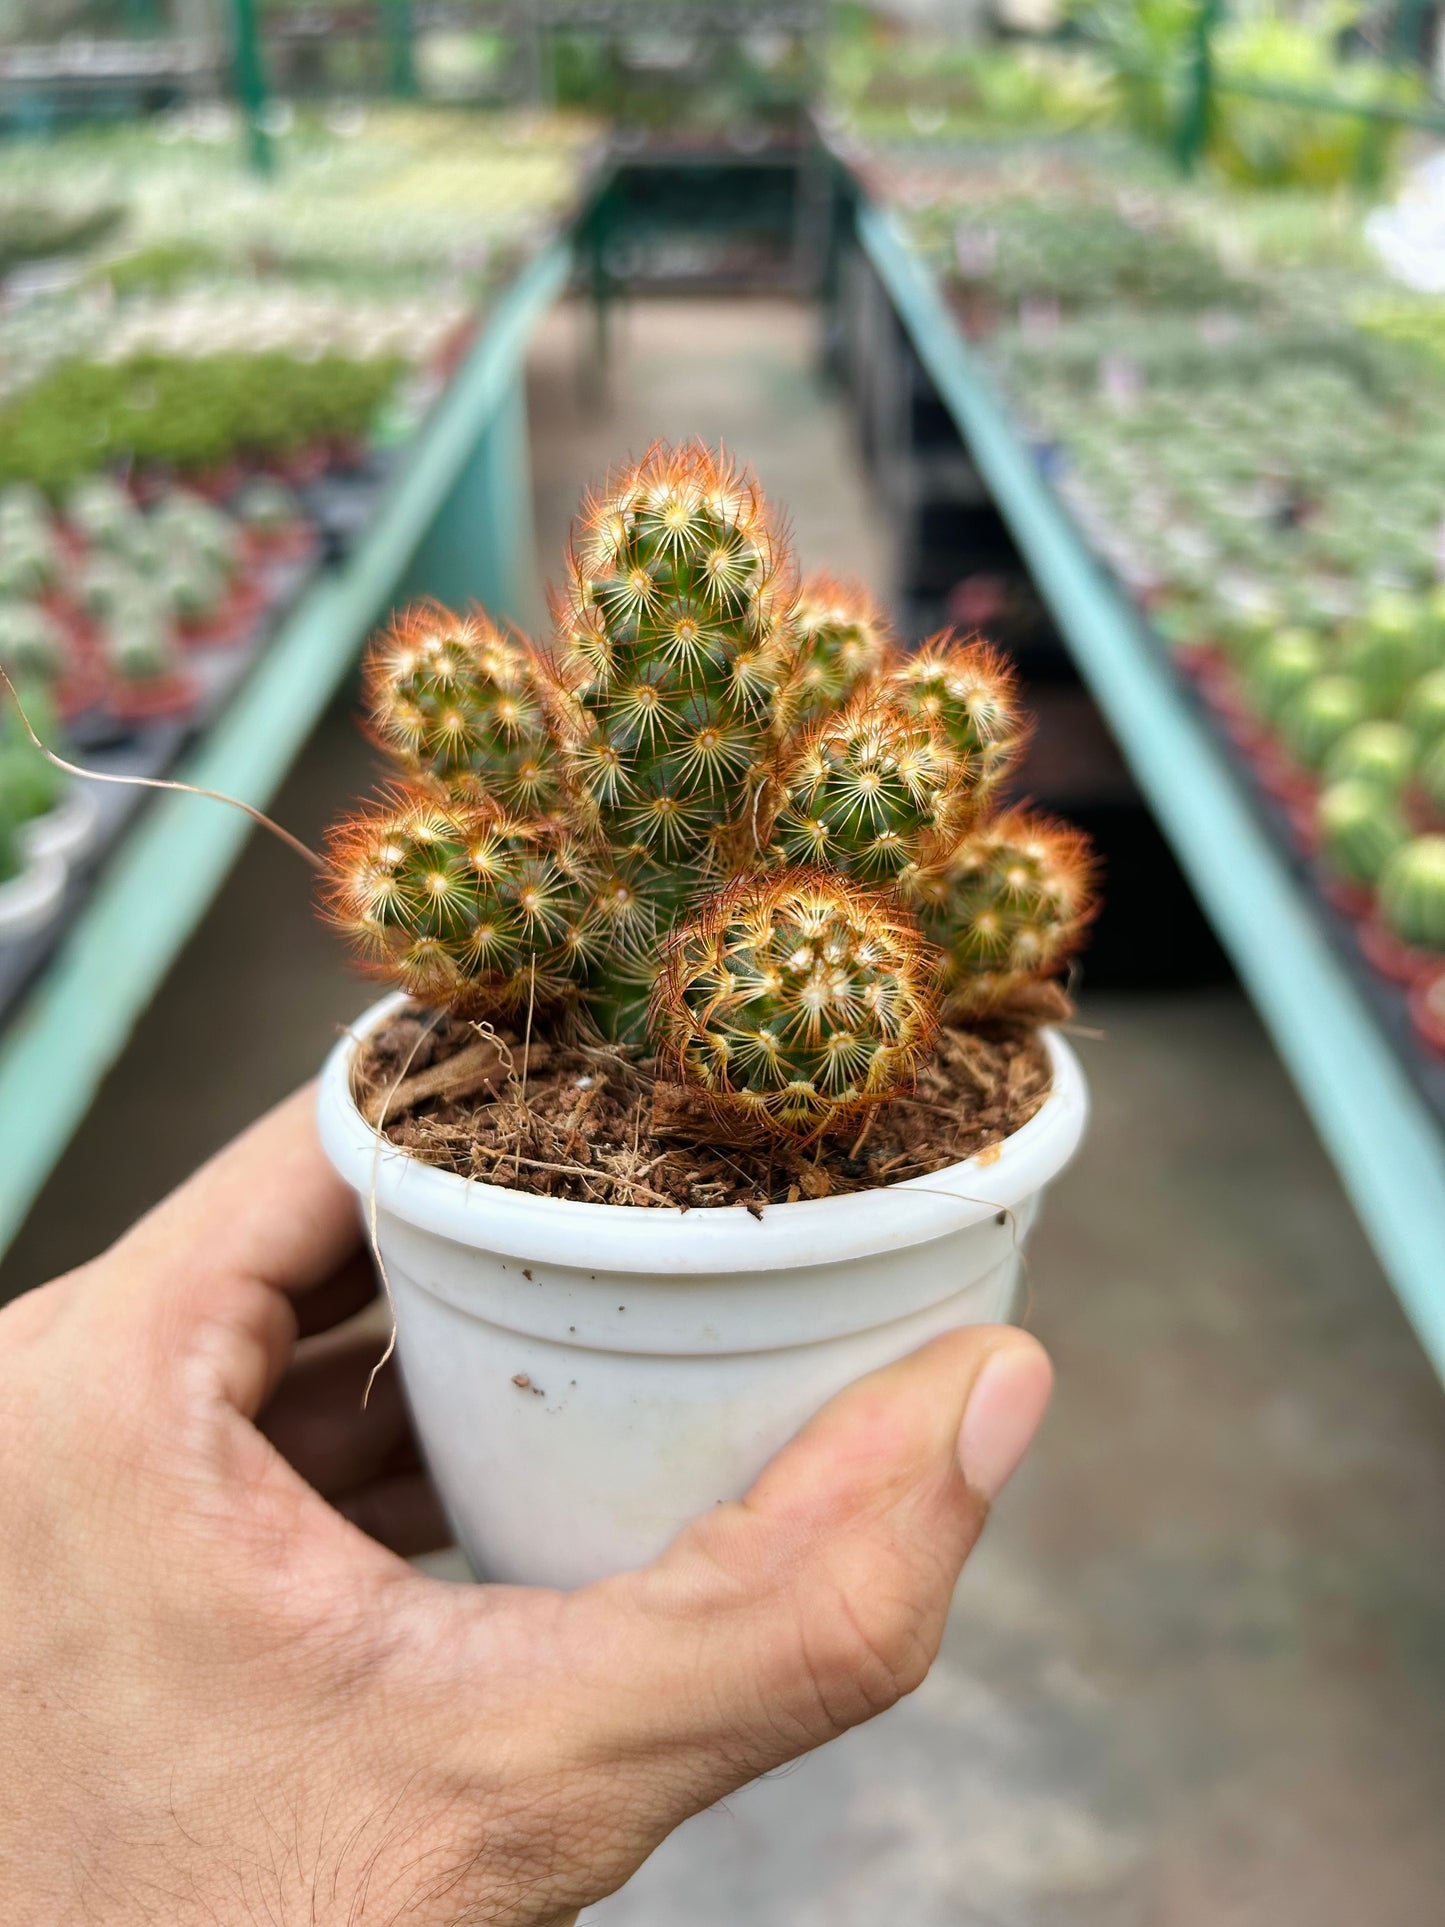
(593, 1122)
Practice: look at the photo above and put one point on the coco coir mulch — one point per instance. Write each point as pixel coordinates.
(569, 1117)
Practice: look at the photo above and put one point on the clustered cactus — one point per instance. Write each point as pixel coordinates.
(722, 809)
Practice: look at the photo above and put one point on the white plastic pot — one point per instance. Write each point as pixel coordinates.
(586, 1377)
(68, 831)
(31, 900)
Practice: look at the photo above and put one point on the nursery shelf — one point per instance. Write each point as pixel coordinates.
(454, 522)
(1376, 1125)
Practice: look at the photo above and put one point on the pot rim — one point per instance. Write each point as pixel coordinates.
(31, 898)
(704, 1239)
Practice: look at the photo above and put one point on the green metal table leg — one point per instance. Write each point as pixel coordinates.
(251, 90)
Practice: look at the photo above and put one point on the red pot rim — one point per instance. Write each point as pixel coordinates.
(157, 698)
(1352, 900)
(1402, 963)
(232, 623)
(1285, 780)
(1427, 1013)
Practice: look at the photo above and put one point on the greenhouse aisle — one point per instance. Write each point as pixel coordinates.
(1195, 1677)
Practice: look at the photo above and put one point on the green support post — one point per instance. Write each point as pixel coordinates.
(251, 90)
(1191, 134)
(401, 65)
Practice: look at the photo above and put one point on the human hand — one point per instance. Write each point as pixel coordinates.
(223, 1702)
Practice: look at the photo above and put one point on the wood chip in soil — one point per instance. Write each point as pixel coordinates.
(569, 1117)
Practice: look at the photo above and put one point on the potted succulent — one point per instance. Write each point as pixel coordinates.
(53, 815)
(146, 677)
(32, 888)
(1406, 938)
(721, 1070)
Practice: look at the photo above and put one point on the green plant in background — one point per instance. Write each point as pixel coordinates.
(160, 268)
(1379, 753)
(1282, 670)
(1412, 893)
(1320, 715)
(1146, 46)
(189, 414)
(32, 641)
(944, 87)
(1272, 142)
(1085, 252)
(1308, 124)
(715, 809)
(30, 784)
(1361, 827)
(10, 864)
(34, 228)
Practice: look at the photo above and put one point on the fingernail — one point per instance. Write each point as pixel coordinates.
(1009, 1398)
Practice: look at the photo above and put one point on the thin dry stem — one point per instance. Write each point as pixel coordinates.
(161, 783)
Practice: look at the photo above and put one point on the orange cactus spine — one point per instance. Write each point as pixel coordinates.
(872, 792)
(969, 693)
(838, 640)
(456, 703)
(669, 643)
(793, 999)
(1010, 909)
(461, 904)
(701, 728)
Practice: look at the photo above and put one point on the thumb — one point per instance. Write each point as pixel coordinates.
(775, 1624)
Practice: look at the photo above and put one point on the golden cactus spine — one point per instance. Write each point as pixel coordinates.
(796, 998)
(462, 905)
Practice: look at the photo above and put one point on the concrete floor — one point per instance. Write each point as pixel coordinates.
(1196, 1673)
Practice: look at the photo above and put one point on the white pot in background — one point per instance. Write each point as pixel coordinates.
(586, 1377)
(68, 831)
(32, 899)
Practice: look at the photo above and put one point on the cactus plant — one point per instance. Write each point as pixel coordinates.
(138, 640)
(1320, 715)
(1010, 908)
(1389, 650)
(468, 906)
(103, 512)
(29, 559)
(796, 997)
(1412, 893)
(1424, 710)
(969, 693)
(1379, 753)
(873, 793)
(1432, 773)
(1282, 669)
(841, 640)
(456, 703)
(1360, 827)
(718, 809)
(32, 642)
